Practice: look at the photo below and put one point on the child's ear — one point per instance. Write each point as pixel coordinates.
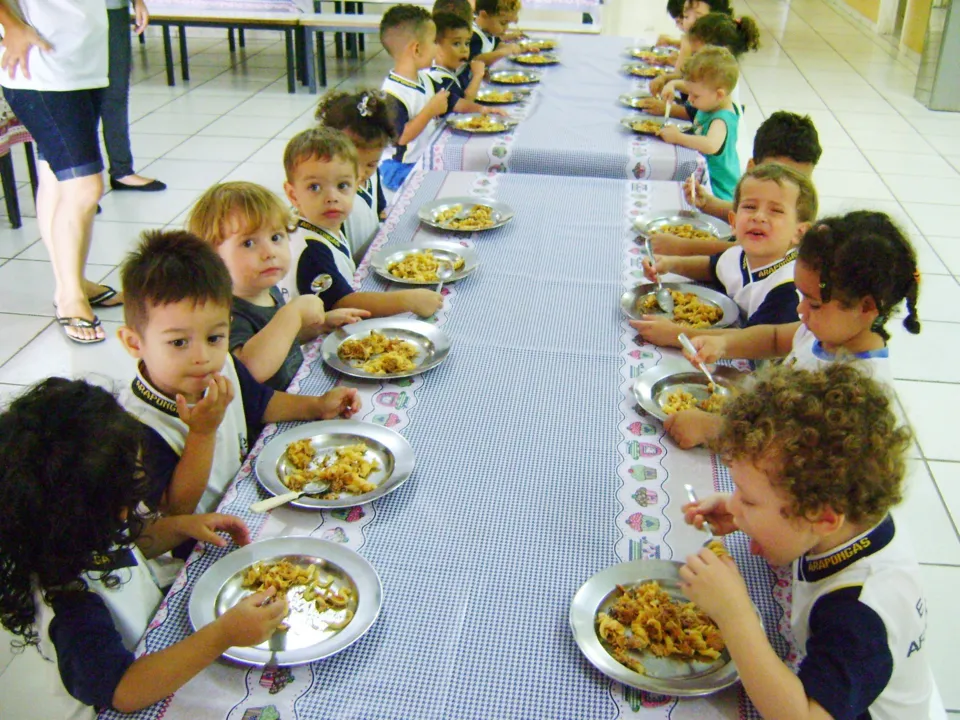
(751, 164)
(131, 341)
(801, 231)
(291, 193)
(827, 521)
(868, 306)
(732, 218)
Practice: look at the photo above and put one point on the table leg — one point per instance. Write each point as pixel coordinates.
(31, 168)
(298, 53)
(338, 37)
(168, 55)
(361, 37)
(322, 58)
(351, 38)
(291, 69)
(242, 37)
(310, 60)
(231, 40)
(184, 59)
(10, 190)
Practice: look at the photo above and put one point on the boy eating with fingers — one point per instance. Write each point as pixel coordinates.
(490, 24)
(818, 462)
(202, 407)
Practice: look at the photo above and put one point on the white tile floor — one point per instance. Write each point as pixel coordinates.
(883, 150)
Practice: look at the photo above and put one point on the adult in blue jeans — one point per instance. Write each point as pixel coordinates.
(52, 66)
(115, 98)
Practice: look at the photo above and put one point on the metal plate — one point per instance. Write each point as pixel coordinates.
(629, 300)
(538, 44)
(652, 387)
(648, 224)
(651, 55)
(308, 638)
(513, 77)
(517, 95)
(391, 451)
(502, 213)
(432, 343)
(628, 123)
(444, 249)
(643, 70)
(453, 122)
(666, 676)
(536, 59)
(633, 100)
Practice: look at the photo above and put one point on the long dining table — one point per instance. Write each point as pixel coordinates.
(534, 471)
(570, 123)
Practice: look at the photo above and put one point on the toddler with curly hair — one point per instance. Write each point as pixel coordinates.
(818, 460)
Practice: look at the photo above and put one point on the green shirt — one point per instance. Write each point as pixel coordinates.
(724, 166)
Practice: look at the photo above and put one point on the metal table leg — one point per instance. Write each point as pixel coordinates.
(291, 66)
(184, 57)
(168, 55)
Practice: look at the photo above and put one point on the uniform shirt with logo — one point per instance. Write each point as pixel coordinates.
(765, 295)
(364, 220)
(860, 614)
(407, 99)
(809, 354)
(481, 42)
(167, 433)
(322, 265)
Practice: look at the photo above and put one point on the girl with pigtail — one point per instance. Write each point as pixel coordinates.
(851, 273)
(364, 117)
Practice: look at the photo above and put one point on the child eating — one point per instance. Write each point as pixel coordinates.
(489, 26)
(201, 408)
(453, 52)
(818, 461)
(321, 169)
(774, 207)
(247, 225)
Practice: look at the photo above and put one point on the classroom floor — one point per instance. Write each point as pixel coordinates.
(883, 150)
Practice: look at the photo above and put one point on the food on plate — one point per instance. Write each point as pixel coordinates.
(480, 217)
(318, 588)
(300, 453)
(378, 354)
(421, 266)
(652, 58)
(479, 123)
(645, 71)
(686, 231)
(682, 400)
(645, 619)
(344, 471)
(688, 309)
(516, 78)
(538, 44)
(496, 96)
(648, 127)
(535, 59)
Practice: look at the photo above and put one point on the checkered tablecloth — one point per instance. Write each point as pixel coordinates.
(533, 472)
(570, 125)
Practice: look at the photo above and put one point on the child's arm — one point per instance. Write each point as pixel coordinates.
(753, 343)
(421, 301)
(668, 244)
(167, 533)
(263, 352)
(709, 144)
(657, 84)
(469, 106)
(339, 402)
(437, 105)
(477, 70)
(708, 203)
(502, 51)
(656, 106)
(695, 267)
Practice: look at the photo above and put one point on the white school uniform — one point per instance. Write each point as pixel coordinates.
(364, 220)
(334, 240)
(808, 354)
(412, 96)
(748, 287)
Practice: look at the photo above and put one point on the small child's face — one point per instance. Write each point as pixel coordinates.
(496, 25)
(693, 12)
(833, 323)
(704, 96)
(182, 346)
(425, 48)
(256, 260)
(367, 161)
(322, 190)
(454, 49)
(762, 512)
(765, 222)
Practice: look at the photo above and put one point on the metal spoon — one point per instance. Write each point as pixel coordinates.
(692, 497)
(444, 272)
(718, 389)
(314, 488)
(664, 298)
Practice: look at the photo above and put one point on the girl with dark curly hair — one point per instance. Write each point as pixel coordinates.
(852, 272)
(75, 590)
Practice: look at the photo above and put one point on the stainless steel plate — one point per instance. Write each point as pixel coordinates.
(647, 224)
(432, 343)
(541, 59)
(308, 638)
(633, 100)
(643, 70)
(441, 249)
(654, 385)
(666, 676)
(538, 44)
(628, 123)
(650, 55)
(455, 123)
(629, 300)
(389, 449)
(502, 213)
(486, 96)
(513, 77)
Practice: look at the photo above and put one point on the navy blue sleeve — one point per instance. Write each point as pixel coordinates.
(779, 307)
(255, 397)
(90, 652)
(476, 44)
(465, 76)
(318, 260)
(381, 198)
(397, 112)
(848, 661)
(714, 259)
(159, 461)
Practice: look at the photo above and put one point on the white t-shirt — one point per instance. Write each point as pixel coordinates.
(77, 31)
(363, 222)
(808, 354)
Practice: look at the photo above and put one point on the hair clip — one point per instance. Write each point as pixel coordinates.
(362, 106)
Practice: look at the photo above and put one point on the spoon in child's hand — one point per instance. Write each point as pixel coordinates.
(716, 387)
(664, 297)
(692, 497)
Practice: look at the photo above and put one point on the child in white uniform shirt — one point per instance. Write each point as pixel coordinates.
(852, 272)
(818, 461)
(73, 585)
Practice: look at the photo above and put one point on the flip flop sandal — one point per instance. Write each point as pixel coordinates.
(77, 322)
(103, 298)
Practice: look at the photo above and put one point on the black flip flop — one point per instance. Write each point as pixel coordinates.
(102, 299)
(77, 322)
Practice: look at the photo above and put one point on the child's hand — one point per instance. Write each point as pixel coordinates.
(343, 316)
(312, 314)
(339, 402)
(205, 417)
(437, 105)
(253, 619)
(711, 509)
(424, 302)
(715, 584)
(477, 68)
(690, 428)
(655, 86)
(710, 348)
(205, 528)
(701, 199)
(18, 39)
(667, 92)
(652, 272)
(670, 134)
(668, 244)
(510, 49)
(658, 330)
(493, 111)
(653, 105)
